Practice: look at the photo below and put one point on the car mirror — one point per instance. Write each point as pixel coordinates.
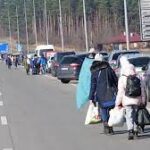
(144, 68)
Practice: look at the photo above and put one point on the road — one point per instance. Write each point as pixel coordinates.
(39, 113)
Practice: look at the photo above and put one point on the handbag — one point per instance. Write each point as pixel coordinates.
(142, 117)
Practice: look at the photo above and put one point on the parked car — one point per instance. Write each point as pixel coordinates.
(56, 61)
(147, 81)
(69, 67)
(138, 60)
(49, 62)
(114, 55)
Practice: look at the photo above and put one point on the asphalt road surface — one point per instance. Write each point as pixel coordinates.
(39, 113)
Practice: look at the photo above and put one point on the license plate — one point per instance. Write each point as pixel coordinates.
(64, 68)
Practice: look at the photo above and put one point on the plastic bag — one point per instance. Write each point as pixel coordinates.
(92, 116)
(116, 117)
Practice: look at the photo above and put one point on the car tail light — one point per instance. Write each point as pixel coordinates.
(56, 64)
(74, 65)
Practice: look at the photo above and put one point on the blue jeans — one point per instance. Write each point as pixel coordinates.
(104, 113)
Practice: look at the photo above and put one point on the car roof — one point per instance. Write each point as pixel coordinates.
(122, 51)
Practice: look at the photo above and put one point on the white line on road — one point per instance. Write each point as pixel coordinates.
(4, 120)
(7, 149)
(1, 103)
(0, 94)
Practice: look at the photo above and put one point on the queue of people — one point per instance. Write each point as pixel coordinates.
(36, 65)
(105, 90)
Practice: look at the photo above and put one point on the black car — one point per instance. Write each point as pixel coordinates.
(69, 67)
(56, 61)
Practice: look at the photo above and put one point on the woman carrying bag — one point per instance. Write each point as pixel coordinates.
(129, 96)
(103, 89)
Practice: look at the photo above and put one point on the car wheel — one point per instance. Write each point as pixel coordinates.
(65, 81)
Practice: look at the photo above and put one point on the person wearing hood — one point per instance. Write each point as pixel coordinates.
(103, 89)
(129, 103)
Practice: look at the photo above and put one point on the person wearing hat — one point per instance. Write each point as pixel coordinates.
(103, 89)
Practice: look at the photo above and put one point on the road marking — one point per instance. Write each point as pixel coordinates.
(1, 103)
(3, 120)
(7, 149)
(0, 94)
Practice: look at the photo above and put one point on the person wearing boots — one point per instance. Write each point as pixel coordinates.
(103, 89)
(129, 103)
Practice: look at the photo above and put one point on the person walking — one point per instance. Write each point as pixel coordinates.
(27, 64)
(43, 62)
(130, 103)
(103, 89)
(9, 62)
(16, 61)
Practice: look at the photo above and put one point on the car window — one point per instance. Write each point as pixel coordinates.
(140, 62)
(61, 55)
(115, 56)
(104, 54)
(70, 60)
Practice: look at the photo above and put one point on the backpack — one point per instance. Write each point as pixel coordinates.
(133, 87)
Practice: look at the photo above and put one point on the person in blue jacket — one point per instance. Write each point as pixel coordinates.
(43, 63)
(103, 89)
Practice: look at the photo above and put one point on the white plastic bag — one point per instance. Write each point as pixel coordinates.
(92, 116)
(116, 117)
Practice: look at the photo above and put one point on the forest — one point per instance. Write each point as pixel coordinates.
(105, 18)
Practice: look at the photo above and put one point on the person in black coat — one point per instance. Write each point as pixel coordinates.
(103, 89)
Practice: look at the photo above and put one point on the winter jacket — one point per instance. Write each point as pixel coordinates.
(103, 82)
(123, 100)
(42, 61)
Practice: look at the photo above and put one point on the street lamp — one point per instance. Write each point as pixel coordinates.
(61, 27)
(35, 29)
(27, 36)
(18, 31)
(45, 12)
(10, 38)
(85, 26)
(126, 24)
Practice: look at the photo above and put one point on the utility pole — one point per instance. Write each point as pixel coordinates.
(27, 36)
(10, 38)
(35, 29)
(45, 12)
(18, 31)
(126, 24)
(61, 27)
(85, 27)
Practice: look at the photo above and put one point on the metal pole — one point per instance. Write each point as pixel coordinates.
(35, 29)
(10, 38)
(27, 36)
(126, 24)
(18, 31)
(61, 27)
(85, 26)
(45, 11)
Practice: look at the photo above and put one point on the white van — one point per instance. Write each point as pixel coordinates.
(44, 49)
